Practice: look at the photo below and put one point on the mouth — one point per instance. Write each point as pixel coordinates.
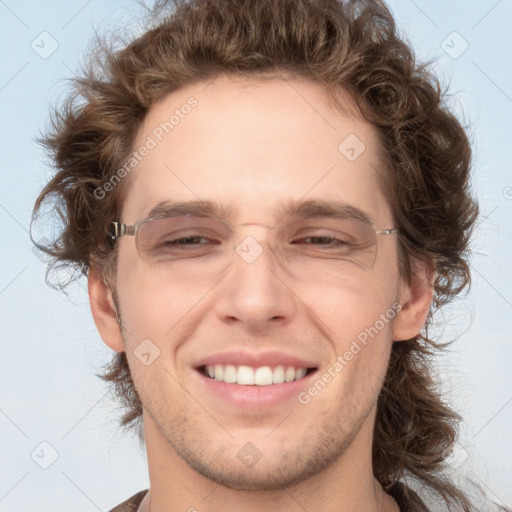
(255, 376)
(246, 380)
(246, 388)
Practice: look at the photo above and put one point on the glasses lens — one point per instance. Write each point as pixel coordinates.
(312, 242)
(177, 238)
(309, 249)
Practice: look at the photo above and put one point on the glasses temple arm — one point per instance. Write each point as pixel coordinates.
(118, 229)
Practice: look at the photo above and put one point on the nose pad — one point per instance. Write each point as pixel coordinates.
(251, 251)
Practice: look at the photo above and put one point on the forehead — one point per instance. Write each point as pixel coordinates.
(252, 146)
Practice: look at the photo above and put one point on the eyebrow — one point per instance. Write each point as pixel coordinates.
(305, 209)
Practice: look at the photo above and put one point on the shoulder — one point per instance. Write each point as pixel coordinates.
(132, 504)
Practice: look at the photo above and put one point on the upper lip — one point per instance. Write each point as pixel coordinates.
(255, 359)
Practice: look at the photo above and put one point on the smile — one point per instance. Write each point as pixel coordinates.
(249, 376)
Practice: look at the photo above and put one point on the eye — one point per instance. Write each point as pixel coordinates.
(324, 240)
(187, 241)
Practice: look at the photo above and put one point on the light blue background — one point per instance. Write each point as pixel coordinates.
(50, 347)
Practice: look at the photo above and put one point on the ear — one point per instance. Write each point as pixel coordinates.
(415, 299)
(104, 311)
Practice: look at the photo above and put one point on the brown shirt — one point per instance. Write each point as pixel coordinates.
(132, 504)
(407, 500)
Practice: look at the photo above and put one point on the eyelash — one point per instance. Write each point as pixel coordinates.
(333, 240)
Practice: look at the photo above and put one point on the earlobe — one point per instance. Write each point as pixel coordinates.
(104, 311)
(416, 299)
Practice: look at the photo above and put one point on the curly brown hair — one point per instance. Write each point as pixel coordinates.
(343, 45)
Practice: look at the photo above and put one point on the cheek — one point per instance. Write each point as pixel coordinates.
(356, 316)
(140, 300)
(154, 307)
(349, 306)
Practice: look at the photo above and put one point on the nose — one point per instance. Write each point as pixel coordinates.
(255, 292)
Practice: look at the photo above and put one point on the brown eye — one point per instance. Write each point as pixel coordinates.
(322, 241)
(187, 241)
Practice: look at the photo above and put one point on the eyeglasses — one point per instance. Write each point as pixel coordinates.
(206, 246)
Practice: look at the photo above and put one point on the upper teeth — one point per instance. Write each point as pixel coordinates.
(247, 376)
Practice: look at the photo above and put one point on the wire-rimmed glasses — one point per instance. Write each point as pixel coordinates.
(207, 245)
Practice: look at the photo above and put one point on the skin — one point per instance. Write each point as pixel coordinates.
(252, 145)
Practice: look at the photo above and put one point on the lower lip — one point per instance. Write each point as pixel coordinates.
(254, 397)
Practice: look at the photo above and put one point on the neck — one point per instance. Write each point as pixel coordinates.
(347, 485)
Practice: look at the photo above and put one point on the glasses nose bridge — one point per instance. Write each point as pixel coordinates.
(262, 233)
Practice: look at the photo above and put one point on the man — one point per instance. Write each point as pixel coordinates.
(269, 200)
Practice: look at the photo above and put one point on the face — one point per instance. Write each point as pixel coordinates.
(254, 147)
